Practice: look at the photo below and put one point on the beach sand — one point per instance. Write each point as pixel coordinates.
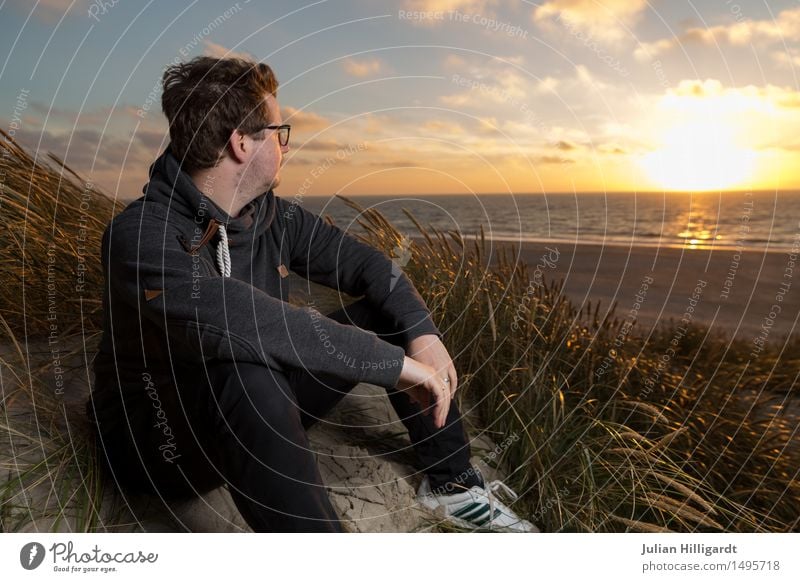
(736, 300)
(731, 299)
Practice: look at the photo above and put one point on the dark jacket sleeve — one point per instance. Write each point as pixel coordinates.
(207, 316)
(325, 254)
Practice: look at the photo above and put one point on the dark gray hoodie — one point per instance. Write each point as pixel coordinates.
(166, 303)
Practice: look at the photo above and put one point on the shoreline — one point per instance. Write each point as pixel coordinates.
(653, 245)
(754, 298)
(623, 245)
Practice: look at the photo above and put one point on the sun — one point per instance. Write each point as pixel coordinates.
(699, 156)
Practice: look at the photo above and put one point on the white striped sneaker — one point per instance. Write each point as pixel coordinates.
(475, 508)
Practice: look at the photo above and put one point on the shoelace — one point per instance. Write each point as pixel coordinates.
(495, 485)
(491, 489)
(223, 253)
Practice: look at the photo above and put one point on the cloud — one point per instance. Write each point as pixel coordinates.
(98, 116)
(611, 149)
(789, 58)
(302, 120)
(51, 11)
(525, 107)
(584, 79)
(321, 146)
(751, 118)
(154, 141)
(482, 84)
(440, 128)
(548, 85)
(362, 68)
(594, 147)
(786, 27)
(608, 20)
(697, 88)
(495, 83)
(212, 49)
(749, 98)
(488, 125)
(111, 160)
(445, 5)
(397, 164)
(554, 160)
(432, 13)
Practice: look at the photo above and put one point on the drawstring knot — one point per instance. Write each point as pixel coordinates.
(223, 253)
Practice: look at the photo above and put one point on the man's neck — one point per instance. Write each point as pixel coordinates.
(222, 189)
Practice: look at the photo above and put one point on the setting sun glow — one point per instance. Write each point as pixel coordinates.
(699, 156)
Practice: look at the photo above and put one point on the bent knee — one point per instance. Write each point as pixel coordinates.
(253, 397)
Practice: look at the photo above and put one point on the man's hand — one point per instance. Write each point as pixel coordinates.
(429, 350)
(424, 386)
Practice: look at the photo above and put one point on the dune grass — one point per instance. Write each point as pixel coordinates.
(50, 475)
(701, 444)
(51, 222)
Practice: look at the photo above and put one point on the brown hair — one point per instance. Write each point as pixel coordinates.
(206, 98)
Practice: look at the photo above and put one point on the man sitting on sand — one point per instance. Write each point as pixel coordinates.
(206, 375)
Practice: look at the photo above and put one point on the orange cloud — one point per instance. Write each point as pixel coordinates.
(443, 5)
(743, 32)
(302, 120)
(362, 68)
(609, 20)
(51, 11)
(212, 49)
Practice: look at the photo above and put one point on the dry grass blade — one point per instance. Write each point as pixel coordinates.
(640, 526)
(681, 488)
(681, 510)
(492, 323)
(664, 441)
(51, 224)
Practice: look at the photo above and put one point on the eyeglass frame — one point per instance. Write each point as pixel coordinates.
(278, 128)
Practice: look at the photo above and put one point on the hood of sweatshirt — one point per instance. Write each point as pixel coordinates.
(171, 186)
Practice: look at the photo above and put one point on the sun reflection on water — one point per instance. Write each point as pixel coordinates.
(697, 228)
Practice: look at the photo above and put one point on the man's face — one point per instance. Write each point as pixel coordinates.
(265, 164)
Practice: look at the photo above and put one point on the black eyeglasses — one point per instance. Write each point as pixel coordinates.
(283, 132)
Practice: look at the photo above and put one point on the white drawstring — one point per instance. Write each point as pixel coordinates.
(223, 253)
(493, 486)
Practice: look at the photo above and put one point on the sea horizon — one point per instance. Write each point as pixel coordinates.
(746, 220)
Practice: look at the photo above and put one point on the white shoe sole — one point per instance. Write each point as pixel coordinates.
(432, 505)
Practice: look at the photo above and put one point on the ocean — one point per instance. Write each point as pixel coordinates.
(727, 220)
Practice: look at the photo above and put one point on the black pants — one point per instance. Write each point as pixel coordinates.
(245, 425)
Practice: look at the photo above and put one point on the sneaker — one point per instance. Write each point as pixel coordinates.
(475, 508)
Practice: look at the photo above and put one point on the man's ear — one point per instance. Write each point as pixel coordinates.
(238, 146)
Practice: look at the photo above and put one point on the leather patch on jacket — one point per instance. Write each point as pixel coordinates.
(211, 230)
(152, 293)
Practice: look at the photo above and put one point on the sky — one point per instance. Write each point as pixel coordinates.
(430, 96)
